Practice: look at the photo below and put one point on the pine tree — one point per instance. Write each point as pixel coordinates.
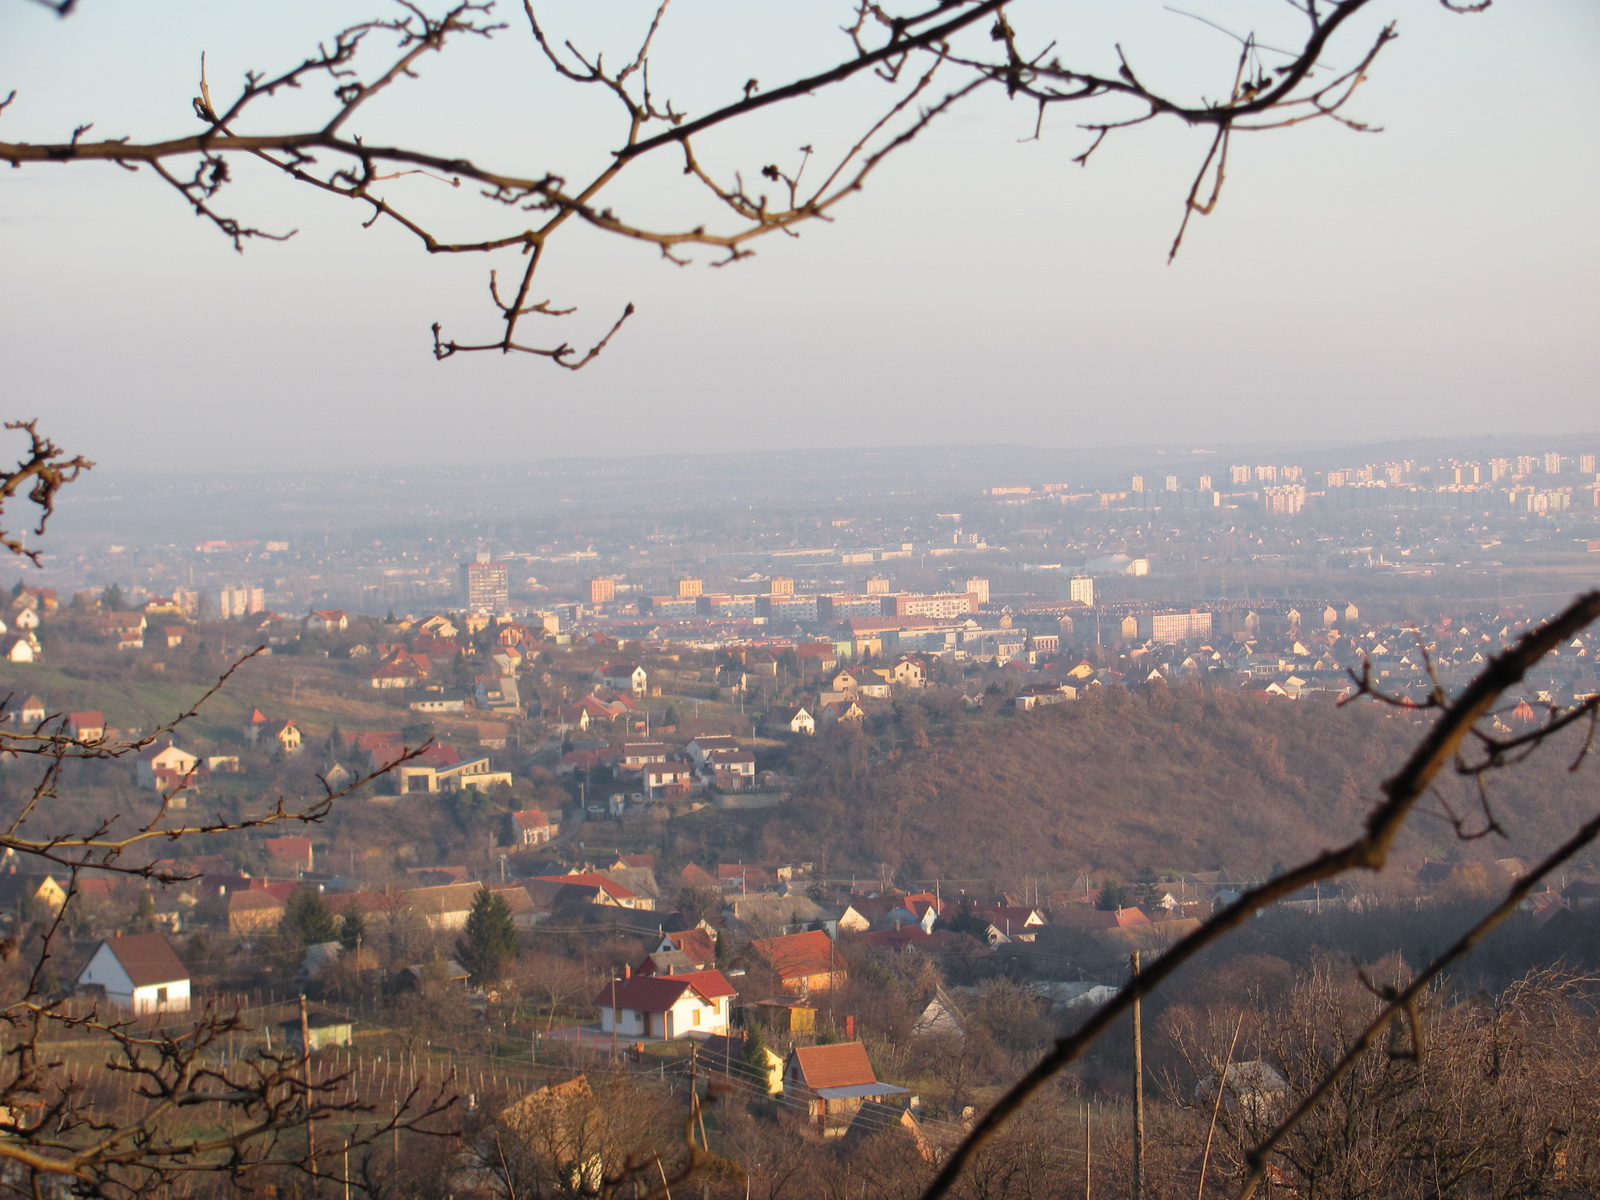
(490, 940)
(352, 929)
(112, 599)
(144, 918)
(753, 1058)
(307, 917)
(721, 951)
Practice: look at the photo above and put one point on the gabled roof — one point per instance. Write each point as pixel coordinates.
(658, 993)
(590, 879)
(697, 944)
(695, 875)
(531, 818)
(148, 958)
(842, 1065)
(797, 955)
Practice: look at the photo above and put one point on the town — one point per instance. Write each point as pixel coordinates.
(625, 816)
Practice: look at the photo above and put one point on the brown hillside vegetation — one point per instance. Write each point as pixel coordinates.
(1199, 780)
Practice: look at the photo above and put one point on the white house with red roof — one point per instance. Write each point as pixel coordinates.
(328, 620)
(532, 827)
(139, 972)
(166, 767)
(665, 1006)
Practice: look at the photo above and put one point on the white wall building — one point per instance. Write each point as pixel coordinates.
(140, 972)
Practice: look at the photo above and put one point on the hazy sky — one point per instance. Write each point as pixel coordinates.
(1439, 277)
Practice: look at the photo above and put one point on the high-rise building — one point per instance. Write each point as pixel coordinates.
(1499, 468)
(878, 587)
(1266, 474)
(1292, 474)
(1241, 474)
(1552, 464)
(1586, 464)
(1205, 483)
(1082, 590)
(240, 601)
(1525, 463)
(689, 588)
(782, 586)
(602, 591)
(1171, 483)
(487, 585)
(1171, 627)
(1284, 500)
(1138, 484)
(980, 589)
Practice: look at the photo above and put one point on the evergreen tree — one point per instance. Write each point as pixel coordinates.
(17, 591)
(490, 940)
(721, 951)
(144, 917)
(112, 599)
(352, 929)
(307, 917)
(753, 1058)
(335, 742)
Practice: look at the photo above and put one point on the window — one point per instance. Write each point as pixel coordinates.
(161, 997)
(694, 1016)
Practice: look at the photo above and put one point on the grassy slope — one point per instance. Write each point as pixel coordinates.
(1234, 785)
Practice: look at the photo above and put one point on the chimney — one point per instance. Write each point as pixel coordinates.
(627, 971)
(849, 1029)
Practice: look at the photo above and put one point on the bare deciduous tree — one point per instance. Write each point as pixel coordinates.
(927, 59)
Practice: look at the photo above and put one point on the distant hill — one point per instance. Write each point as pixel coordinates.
(1203, 781)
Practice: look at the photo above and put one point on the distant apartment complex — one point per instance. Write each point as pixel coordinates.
(240, 601)
(602, 591)
(487, 585)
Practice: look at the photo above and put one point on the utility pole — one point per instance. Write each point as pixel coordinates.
(1088, 1150)
(1138, 1092)
(305, 1075)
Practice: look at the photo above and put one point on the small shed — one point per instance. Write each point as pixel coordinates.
(324, 1026)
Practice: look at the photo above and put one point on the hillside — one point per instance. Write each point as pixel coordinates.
(1197, 782)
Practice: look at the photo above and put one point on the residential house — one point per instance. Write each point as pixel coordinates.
(400, 669)
(790, 719)
(730, 770)
(842, 710)
(530, 827)
(833, 1082)
(567, 1124)
(694, 875)
(804, 962)
(16, 649)
(17, 888)
(607, 891)
(87, 726)
(697, 945)
(289, 855)
(706, 744)
(254, 911)
(328, 620)
(29, 713)
(638, 755)
(908, 672)
(675, 777)
(265, 729)
(624, 676)
(441, 769)
(139, 972)
(445, 907)
(166, 768)
(665, 1006)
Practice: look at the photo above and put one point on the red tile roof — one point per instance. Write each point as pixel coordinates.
(658, 993)
(842, 1065)
(798, 955)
